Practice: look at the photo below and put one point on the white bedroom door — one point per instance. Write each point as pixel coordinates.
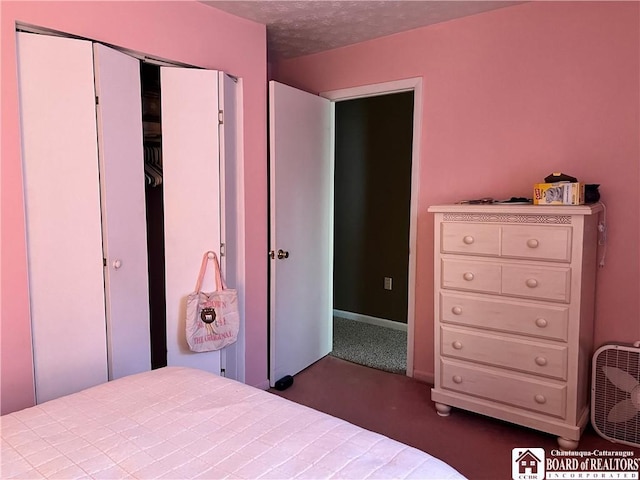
(191, 179)
(62, 203)
(301, 230)
(124, 233)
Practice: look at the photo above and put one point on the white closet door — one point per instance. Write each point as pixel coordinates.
(191, 179)
(62, 201)
(124, 232)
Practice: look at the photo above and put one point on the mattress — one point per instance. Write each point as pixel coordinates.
(185, 423)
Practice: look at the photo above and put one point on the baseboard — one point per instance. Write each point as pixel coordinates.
(423, 376)
(380, 322)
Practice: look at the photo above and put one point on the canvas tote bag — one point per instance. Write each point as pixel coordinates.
(212, 318)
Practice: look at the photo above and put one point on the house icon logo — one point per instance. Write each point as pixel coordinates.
(527, 463)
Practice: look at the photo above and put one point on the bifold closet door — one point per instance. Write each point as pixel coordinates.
(124, 232)
(191, 180)
(62, 203)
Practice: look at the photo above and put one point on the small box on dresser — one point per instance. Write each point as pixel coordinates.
(514, 311)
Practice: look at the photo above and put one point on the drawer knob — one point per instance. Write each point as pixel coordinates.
(531, 282)
(468, 276)
(532, 243)
(468, 239)
(541, 361)
(541, 322)
(457, 379)
(457, 310)
(457, 345)
(541, 399)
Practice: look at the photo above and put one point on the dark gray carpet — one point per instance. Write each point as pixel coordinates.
(400, 407)
(377, 347)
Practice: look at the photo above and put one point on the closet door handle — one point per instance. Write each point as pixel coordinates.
(117, 264)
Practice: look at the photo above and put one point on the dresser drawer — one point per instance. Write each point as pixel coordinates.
(470, 275)
(546, 283)
(546, 321)
(537, 395)
(536, 242)
(470, 238)
(524, 355)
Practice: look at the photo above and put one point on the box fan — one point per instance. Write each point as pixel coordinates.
(615, 393)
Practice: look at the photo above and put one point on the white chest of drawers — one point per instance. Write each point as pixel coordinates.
(514, 308)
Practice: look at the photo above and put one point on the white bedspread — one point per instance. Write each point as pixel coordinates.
(183, 423)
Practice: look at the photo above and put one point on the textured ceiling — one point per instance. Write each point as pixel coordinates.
(296, 28)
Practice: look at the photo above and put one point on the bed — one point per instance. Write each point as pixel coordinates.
(184, 423)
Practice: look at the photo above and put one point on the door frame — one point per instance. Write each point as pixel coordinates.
(410, 84)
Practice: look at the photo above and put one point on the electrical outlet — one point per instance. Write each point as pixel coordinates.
(388, 282)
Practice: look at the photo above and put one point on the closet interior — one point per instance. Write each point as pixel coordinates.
(152, 134)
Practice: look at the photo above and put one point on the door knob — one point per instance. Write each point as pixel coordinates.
(280, 254)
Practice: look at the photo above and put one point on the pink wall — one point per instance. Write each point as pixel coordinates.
(510, 96)
(184, 31)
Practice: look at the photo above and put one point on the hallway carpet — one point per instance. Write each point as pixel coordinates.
(365, 344)
(400, 407)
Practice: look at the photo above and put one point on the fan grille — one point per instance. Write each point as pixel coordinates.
(606, 395)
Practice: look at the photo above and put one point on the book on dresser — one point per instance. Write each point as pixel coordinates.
(514, 313)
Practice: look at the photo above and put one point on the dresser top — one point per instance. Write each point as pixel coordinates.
(512, 208)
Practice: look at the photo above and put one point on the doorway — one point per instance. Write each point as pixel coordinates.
(406, 85)
(372, 199)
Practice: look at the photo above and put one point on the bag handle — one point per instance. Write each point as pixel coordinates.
(220, 285)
